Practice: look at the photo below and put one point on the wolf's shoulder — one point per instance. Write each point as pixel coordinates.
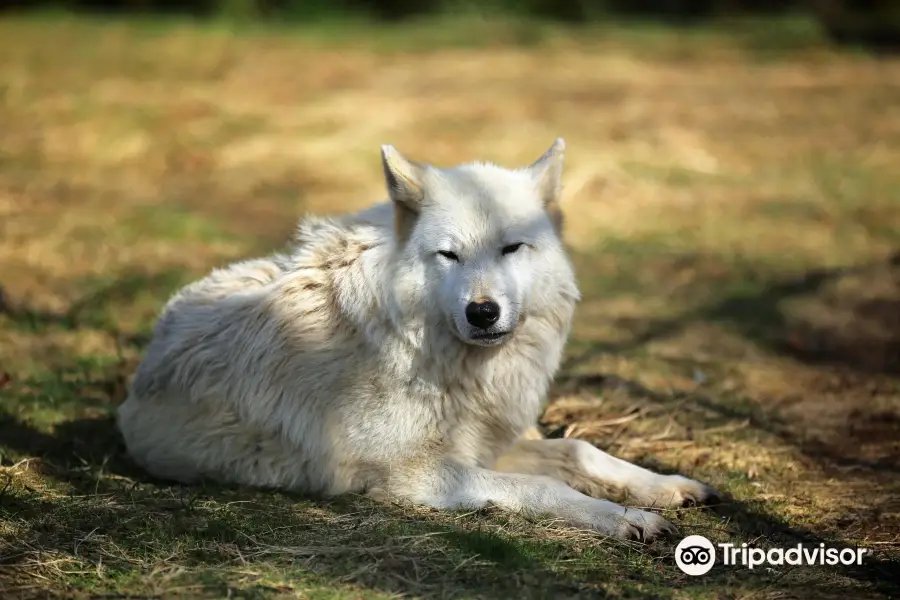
(329, 241)
(324, 255)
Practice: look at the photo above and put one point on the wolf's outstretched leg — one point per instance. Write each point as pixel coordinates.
(453, 486)
(596, 473)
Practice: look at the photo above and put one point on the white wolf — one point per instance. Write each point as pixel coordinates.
(402, 352)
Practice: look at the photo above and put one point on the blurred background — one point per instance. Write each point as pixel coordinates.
(860, 21)
(857, 21)
(732, 208)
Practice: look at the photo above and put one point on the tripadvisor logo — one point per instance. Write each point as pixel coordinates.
(696, 555)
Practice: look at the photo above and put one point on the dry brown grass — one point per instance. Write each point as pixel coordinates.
(733, 221)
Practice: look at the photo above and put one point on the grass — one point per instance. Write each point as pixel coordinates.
(733, 212)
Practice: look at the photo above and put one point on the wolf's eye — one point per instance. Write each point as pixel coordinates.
(512, 248)
(449, 255)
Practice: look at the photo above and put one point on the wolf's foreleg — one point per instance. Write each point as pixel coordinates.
(596, 473)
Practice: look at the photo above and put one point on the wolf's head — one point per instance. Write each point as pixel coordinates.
(481, 242)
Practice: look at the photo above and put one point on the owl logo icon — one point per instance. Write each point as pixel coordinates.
(695, 555)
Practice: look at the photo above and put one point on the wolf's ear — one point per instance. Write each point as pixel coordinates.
(406, 188)
(403, 178)
(547, 172)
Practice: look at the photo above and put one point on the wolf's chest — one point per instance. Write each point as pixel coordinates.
(481, 422)
(477, 439)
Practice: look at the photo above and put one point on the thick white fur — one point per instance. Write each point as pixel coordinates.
(347, 364)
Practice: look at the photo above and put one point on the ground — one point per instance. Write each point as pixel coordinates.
(733, 211)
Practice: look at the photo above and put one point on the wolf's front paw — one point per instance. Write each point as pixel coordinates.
(629, 523)
(668, 491)
(645, 526)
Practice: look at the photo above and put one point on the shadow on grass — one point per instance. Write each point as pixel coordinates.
(755, 312)
(873, 349)
(332, 545)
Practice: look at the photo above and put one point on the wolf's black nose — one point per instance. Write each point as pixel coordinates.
(482, 314)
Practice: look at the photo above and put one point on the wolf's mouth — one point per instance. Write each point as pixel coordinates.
(496, 335)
